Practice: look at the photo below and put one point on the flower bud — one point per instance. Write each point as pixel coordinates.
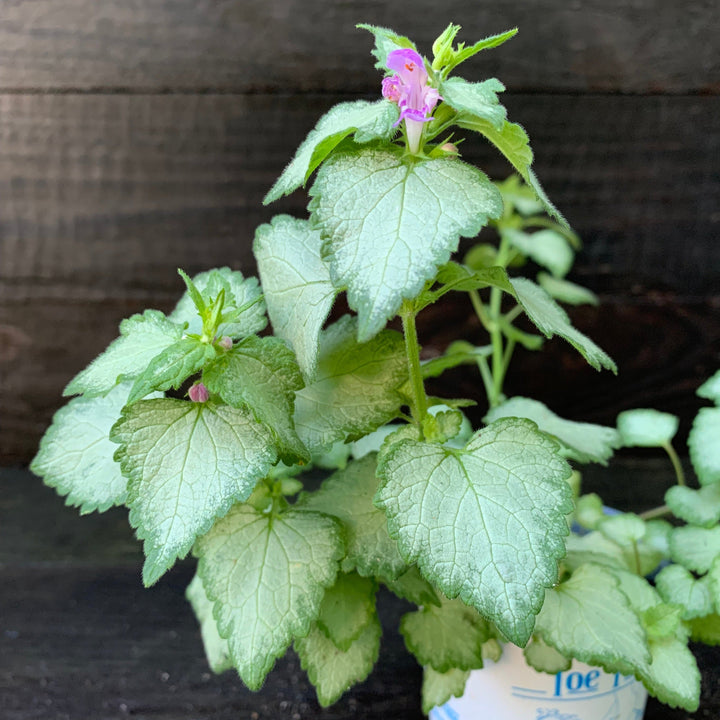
(199, 393)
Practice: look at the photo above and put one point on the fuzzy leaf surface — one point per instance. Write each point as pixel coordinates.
(545, 658)
(704, 445)
(696, 507)
(547, 248)
(187, 463)
(676, 585)
(566, 291)
(438, 688)
(412, 586)
(640, 593)
(551, 320)
(296, 281)
(486, 523)
(262, 375)
(386, 41)
(589, 511)
(333, 671)
(142, 337)
(217, 651)
(76, 454)
(244, 309)
(624, 529)
(589, 618)
(583, 442)
(364, 120)
(390, 222)
(671, 675)
(645, 427)
(172, 367)
(356, 387)
(347, 608)
(662, 620)
(695, 548)
(266, 575)
(594, 548)
(446, 637)
(348, 496)
(644, 544)
(478, 98)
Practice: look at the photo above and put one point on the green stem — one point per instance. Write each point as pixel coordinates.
(512, 314)
(496, 335)
(479, 309)
(657, 512)
(412, 350)
(636, 552)
(670, 450)
(486, 376)
(497, 365)
(509, 348)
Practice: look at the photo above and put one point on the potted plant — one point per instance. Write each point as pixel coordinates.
(206, 427)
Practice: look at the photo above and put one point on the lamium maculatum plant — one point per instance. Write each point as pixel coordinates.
(205, 425)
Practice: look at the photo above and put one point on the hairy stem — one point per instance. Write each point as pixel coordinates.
(412, 350)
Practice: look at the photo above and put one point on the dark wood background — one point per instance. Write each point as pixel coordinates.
(137, 136)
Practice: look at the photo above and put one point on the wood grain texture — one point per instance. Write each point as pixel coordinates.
(104, 196)
(311, 45)
(81, 638)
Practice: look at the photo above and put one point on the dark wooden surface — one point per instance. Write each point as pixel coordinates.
(643, 46)
(81, 639)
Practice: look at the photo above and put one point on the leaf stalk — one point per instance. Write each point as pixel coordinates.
(412, 349)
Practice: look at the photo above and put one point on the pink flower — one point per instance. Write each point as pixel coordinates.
(199, 393)
(409, 89)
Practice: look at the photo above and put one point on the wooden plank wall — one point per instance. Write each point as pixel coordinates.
(139, 136)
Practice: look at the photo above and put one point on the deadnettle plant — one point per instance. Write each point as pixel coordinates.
(206, 426)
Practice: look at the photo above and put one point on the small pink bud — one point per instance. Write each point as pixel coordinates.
(450, 148)
(199, 393)
(225, 342)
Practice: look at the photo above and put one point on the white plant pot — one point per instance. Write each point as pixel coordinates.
(511, 690)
